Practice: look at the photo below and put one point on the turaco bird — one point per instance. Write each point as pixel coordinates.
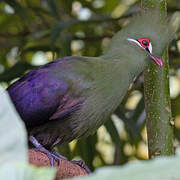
(72, 97)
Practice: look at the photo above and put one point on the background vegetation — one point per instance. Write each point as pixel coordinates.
(34, 32)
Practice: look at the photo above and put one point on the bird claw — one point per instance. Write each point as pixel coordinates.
(79, 163)
(82, 165)
(52, 157)
(58, 155)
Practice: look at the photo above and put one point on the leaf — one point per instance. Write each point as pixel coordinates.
(86, 149)
(175, 21)
(22, 171)
(166, 168)
(13, 147)
(53, 8)
(113, 132)
(67, 6)
(18, 8)
(137, 114)
(110, 5)
(7, 21)
(16, 71)
(66, 45)
(43, 47)
(130, 124)
(119, 155)
(59, 27)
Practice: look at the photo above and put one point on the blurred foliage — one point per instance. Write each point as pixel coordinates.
(13, 147)
(34, 32)
(15, 161)
(159, 168)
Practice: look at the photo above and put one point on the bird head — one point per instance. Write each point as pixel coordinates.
(143, 40)
(145, 45)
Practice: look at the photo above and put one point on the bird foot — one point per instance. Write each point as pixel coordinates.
(58, 155)
(38, 147)
(82, 165)
(79, 163)
(52, 157)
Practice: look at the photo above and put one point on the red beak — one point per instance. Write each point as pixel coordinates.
(158, 61)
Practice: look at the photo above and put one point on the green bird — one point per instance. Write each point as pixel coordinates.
(72, 97)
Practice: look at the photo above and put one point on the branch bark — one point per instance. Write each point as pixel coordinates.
(157, 100)
(65, 169)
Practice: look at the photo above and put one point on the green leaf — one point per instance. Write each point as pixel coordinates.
(139, 109)
(86, 149)
(22, 171)
(110, 5)
(59, 27)
(67, 6)
(119, 143)
(66, 45)
(13, 147)
(18, 8)
(166, 168)
(130, 124)
(43, 47)
(175, 21)
(113, 132)
(16, 71)
(53, 8)
(7, 21)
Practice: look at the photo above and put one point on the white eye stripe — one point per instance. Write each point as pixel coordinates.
(139, 44)
(150, 48)
(135, 41)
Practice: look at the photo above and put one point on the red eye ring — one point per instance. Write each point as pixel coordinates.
(144, 42)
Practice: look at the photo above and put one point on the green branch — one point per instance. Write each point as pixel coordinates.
(157, 100)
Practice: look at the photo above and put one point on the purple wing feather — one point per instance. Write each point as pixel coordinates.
(39, 97)
(66, 107)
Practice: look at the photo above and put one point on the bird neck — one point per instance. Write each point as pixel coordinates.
(120, 46)
(130, 57)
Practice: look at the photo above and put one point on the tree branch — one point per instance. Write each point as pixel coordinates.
(65, 169)
(157, 101)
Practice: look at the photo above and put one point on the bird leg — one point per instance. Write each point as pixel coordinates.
(38, 147)
(79, 163)
(82, 165)
(54, 155)
(58, 154)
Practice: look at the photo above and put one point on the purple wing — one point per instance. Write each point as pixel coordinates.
(66, 107)
(39, 97)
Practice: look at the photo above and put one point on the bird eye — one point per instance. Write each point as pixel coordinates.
(144, 42)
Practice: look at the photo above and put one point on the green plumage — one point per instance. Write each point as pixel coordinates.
(100, 82)
(111, 74)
